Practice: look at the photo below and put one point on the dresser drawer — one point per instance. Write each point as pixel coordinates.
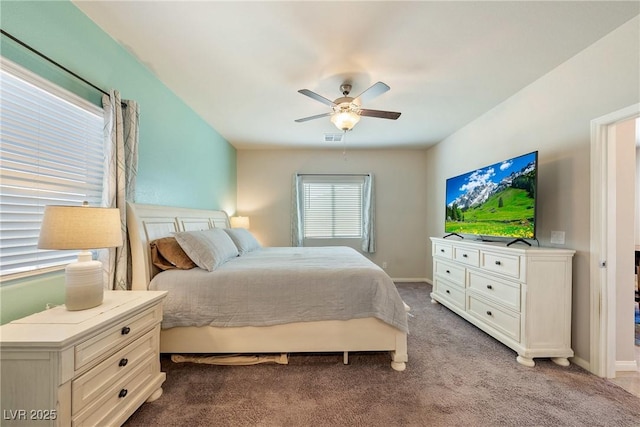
(93, 383)
(450, 292)
(452, 272)
(467, 256)
(500, 291)
(442, 250)
(116, 337)
(122, 393)
(509, 265)
(498, 318)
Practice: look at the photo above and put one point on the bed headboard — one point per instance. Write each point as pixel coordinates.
(146, 223)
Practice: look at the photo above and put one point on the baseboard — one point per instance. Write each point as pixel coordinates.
(410, 280)
(626, 366)
(582, 363)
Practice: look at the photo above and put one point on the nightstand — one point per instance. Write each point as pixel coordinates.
(89, 367)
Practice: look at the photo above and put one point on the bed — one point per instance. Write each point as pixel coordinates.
(326, 331)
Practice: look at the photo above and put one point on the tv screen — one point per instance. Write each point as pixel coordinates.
(497, 200)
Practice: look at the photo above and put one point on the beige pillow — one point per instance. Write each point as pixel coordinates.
(166, 254)
(209, 249)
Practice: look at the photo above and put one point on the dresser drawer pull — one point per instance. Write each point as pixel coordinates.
(498, 263)
(464, 255)
(448, 272)
(123, 362)
(489, 313)
(447, 291)
(126, 330)
(489, 287)
(123, 393)
(442, 250)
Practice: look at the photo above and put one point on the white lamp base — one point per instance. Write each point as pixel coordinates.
(84, 286)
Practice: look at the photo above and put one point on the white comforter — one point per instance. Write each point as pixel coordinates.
(273, 286)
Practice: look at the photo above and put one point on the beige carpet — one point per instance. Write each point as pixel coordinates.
(456, 376)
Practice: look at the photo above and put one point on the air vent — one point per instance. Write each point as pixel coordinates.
(333, 137)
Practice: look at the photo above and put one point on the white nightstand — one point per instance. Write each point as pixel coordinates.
(89, 367)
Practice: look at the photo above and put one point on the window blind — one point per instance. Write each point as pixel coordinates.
(333, 208)
(51, 152)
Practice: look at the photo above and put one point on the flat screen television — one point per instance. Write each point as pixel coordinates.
(495, 201)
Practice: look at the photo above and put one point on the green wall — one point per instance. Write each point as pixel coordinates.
(183, 161)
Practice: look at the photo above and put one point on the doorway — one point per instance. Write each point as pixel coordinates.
(609, 243)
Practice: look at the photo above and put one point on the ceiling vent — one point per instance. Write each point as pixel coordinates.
(333, 137)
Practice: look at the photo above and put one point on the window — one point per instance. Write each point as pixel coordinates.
(51, 152)
(333, 206)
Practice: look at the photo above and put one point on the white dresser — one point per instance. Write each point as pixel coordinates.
(520, 295)
(77, 368)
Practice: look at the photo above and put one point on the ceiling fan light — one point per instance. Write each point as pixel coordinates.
(345, 120)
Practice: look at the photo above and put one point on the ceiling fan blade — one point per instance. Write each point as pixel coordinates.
(380, 114)
(317, 97)
(373, 91)
(306, 119)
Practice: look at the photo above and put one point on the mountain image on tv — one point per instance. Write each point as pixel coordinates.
(498, 200)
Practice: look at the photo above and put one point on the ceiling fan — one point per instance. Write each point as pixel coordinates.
(346, 111)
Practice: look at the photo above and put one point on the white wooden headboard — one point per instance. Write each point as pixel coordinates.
(146, 223)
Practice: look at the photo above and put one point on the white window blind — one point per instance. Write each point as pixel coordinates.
(332, 207)
(51, 152)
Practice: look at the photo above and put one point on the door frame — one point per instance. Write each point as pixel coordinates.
(603, 242)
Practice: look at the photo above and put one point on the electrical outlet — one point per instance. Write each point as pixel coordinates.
(384, 264)
(557, 237)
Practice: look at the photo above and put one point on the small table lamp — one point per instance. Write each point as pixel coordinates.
(81, 227)
(240, 222)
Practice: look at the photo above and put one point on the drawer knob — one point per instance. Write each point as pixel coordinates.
(123, 362)
(126, 330)
(448, 272)
(464, 255)
(498, 263)
(447, 291)
(442, 250)
(123, 393)
(489, 313)
(489, 287)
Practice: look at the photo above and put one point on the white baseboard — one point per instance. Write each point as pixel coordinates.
(410, 279)
(581, 362)
(626, 366)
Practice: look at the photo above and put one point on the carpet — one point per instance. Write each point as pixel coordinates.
(456, 376)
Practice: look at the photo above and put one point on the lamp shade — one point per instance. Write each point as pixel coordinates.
(80, 227)
(345, 120)
(240, 222)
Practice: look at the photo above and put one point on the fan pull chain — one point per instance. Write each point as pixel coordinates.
(344, 146)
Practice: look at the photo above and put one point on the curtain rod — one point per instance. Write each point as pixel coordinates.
(42, 55)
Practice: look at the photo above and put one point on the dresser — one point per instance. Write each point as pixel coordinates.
(519, 295)
(92, 367)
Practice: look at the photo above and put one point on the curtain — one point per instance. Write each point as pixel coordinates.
(368, 216)
(297, 228)
(121, 168)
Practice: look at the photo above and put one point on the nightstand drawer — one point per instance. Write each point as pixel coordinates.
(452, 272)
(500, 319)
(500, 291)
(122, 393)
(116, 337)
(93, 383)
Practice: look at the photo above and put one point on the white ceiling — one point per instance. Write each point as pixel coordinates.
(240, 64)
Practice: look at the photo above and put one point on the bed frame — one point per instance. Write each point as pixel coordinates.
(146, 223)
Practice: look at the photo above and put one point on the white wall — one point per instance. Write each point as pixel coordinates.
(264, 194)
(552, 115)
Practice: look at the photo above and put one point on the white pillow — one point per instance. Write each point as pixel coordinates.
(209, 248)
(244, 240)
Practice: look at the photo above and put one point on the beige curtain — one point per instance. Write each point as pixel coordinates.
(121, 168)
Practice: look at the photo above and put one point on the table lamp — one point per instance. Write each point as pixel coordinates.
(84, 228)
(240, 222)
